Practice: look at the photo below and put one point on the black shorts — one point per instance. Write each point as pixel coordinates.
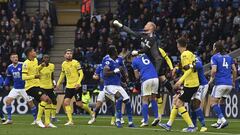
(51, 95)
(36, 92)
(188, 93)
(69, 93)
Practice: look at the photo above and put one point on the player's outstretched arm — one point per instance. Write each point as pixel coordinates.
(60, 80)
(126, 29)
(81, 75)
(165, 56)
(234, 74)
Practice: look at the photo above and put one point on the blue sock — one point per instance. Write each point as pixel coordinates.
(1, 113)
(145, 112)
(110, 107)
(222, 106)
(34, 112)
(155, 108)
(200, 116)
(9, 112)
(194, 117)
(129, 111)
(119, 109)
(218, 111)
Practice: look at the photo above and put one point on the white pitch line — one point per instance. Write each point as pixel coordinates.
(148, 129)
(153, 129)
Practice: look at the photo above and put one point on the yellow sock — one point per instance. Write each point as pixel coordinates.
(185, 116)
(173, 115)
(87, 109)
(160, 106)
(69, 112)
(41, 107)
(48, 110)
(53, 111)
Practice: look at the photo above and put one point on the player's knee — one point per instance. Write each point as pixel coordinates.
(118, 95)
(179, 103)
(9, 101)
(99, 104)
(196, 104)
(79, 103)
(145, 100)
(30, 104)
(126, 101)
(214, 101)
(66, 102)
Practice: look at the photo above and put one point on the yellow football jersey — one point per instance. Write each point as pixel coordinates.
(46, 81)
(189, 77)
(29, 70)
(70, 70)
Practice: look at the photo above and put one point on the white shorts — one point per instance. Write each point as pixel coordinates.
(220, 91)
(101, 97)
(201, 93)
(113, 89)
(14, 93)
(150, 87)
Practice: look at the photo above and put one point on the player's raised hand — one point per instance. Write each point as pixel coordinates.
(117, 23)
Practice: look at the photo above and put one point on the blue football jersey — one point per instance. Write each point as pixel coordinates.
(15, 73)
(224, 69)
(115, 78)
(120, 61)
(199, 66)
(143, 64)
(99, 72)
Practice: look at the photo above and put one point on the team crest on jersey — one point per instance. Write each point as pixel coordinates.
(39, 93)
(19, 69)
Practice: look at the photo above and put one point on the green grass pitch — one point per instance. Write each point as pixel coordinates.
(21, 126)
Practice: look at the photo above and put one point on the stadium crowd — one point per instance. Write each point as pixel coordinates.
(18, 30)
(202, 23)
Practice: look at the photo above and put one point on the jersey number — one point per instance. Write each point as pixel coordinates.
(225, 64)
(145, 61)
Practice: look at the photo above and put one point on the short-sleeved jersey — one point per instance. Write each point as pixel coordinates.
(115, 78)
(15, 73)
(30, 69)
(70, 70)
(143, 64)
(199, 66)
(191, 80)
(99, 72)
(224, 69)
(120, 61)
(46, 81)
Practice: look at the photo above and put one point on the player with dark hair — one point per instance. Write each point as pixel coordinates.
(31, 75)
(47, 83)
(14, 72)
(190, 82)
(98, 75)
(112, 85)
(223, 74)
(74, 75)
